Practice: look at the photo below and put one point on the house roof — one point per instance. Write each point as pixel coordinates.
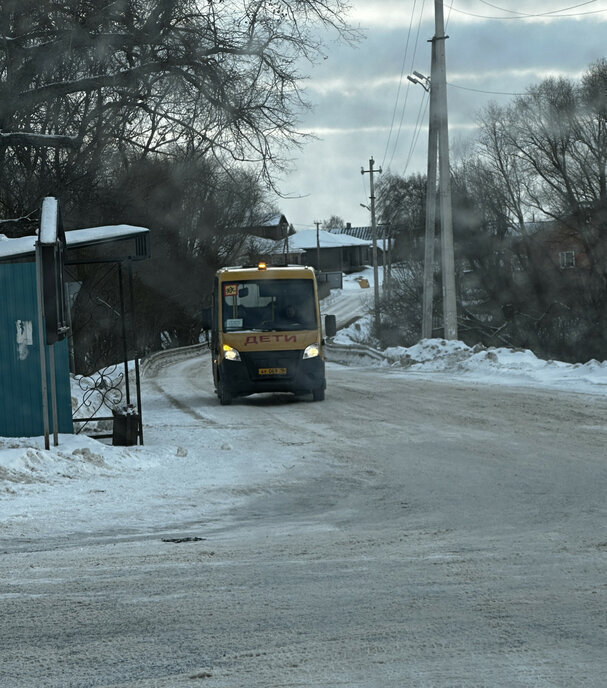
(306, 239)
(269, 246)
(26, 246)
(275, 221)
(365, 233)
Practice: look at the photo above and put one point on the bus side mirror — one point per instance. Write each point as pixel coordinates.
(330, 326)
(207, 319)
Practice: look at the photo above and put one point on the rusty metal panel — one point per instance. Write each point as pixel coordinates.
(20, 370)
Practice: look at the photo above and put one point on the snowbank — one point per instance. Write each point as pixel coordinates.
(496, 365)
(23, 460)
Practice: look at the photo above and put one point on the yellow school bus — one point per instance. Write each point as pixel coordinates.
(266, 332)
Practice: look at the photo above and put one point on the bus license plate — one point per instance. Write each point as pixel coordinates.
(272, 371)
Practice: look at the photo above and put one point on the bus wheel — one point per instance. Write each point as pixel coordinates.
(318, 394)
(224, 394)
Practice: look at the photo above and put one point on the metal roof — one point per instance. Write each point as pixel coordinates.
(306, 239)
(365, 233)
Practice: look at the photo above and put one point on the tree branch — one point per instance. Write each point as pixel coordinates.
(28, 138)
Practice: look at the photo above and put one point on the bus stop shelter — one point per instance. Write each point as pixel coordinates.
(25, 375)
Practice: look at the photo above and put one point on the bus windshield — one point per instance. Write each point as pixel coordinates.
(268, 305)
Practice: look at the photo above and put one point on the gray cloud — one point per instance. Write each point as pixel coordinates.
(354, 91)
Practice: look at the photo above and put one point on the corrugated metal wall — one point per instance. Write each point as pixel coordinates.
(20, 371)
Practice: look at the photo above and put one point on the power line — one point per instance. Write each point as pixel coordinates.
(479, 90)
(402, 116)
(423, 103)
(550, 15)
(401, 81)
(423, 107)
(364, 190)
(526, 14)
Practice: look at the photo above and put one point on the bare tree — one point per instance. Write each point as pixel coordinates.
(197, 214)
(543, 157)
(84, 80)
(591, 131)
(334, 222)
(548, 149)
(497, 173)
(401, 208)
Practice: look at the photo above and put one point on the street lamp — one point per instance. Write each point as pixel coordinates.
(423, 81)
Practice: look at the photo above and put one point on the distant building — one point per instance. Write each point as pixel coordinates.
(275, 228)
(365, 233)
(276, 242)
(279, 252)
(328, 251)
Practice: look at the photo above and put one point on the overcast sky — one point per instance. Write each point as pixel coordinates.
(363, 105)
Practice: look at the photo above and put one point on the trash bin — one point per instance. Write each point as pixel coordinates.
(126, 426)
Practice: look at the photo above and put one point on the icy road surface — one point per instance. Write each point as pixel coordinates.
(405, 532)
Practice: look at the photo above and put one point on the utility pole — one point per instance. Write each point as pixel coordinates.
(370, 171)
(317, 223)
(438, 139)
(444, 189)
(430, 229)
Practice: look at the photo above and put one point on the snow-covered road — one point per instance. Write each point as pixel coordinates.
(347, 306)
(407, 531)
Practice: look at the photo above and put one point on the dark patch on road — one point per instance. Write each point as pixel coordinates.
(184, 539)
(177, 403)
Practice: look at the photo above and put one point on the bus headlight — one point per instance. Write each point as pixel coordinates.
(230, 354)
(311, 351)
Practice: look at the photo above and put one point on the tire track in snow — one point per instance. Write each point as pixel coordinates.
(182, 406)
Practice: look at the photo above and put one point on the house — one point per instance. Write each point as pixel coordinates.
(384, 241)
(274, 252)
(560, 244)
(563, 252)
(327, 251)
(267, 242)
(275, 228)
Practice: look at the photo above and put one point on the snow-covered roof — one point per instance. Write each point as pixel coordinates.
(269, 246)
(48, 221)
(25, 246)
(274, 221)
(306, 239)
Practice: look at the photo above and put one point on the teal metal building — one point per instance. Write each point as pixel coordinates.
(21, 405)
(21, 401)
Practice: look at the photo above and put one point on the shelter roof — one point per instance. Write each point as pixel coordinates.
(76, 238)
